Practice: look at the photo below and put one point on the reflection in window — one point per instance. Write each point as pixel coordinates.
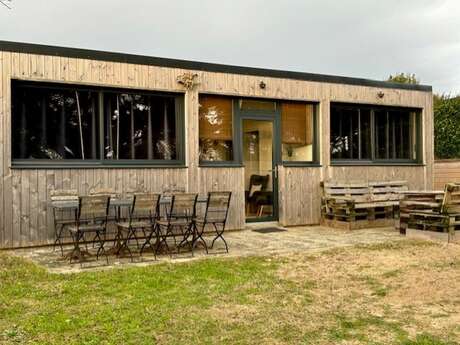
(297, 127)
(215, 128)
(350, 133)
(394, 132)
(58, 122)
(139, 127)
(55, 124)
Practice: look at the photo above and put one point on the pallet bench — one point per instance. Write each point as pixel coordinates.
(441, 221)
(358, 205)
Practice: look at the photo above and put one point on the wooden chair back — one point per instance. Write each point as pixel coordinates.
(145, 206)
(93, 207)
(183, 206)
(217, 206)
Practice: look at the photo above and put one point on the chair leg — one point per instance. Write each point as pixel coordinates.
(159, 240)
(58, 235)
(124, 244)
(199, 237)
(129, 236)
(148, 240)
(164, 237)
(101, 248)
(133, 235)
(219, 234)
(185, 238)
(76, 252)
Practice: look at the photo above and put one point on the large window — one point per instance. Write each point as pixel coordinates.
(294, 130)
(297, 131)
(103, 126)
(216, 128)
(374, 133)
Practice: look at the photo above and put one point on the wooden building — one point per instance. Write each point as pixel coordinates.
(77, 119)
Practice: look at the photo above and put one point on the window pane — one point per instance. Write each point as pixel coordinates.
(297, 131)
(139, 127)
(215, 128)
(350, 133)
(381, 134)
(55, 124)
(402, 125)
(365, 125)
(394, 133)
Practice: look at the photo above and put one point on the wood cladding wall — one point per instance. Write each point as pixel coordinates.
(25, 219)
(446, 171)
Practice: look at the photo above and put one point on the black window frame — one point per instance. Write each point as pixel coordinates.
(101, 162)
(373, 160)
(275, 115)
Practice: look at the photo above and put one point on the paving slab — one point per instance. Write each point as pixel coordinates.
(306, 239)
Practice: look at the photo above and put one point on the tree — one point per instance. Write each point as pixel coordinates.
(404, 78)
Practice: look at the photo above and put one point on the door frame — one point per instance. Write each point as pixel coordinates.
(261, 115)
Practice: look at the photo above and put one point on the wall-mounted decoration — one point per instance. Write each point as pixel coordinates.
(188, 80)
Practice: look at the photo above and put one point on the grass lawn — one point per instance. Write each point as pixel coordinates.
(394, 293)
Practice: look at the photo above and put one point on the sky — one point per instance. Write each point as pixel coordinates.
(356, 38)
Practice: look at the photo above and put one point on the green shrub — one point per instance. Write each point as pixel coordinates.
(446, 127)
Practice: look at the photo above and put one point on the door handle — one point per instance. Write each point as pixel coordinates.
(275, 171)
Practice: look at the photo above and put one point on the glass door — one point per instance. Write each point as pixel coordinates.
(259, 169)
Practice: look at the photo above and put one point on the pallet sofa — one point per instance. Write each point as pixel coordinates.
(358, 205)
(441, 221)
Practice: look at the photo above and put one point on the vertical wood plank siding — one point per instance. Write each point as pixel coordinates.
(446, 171)
(25, 219)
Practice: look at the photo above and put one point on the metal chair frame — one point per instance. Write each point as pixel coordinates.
(180, 217)
(142, 215)
(60, 223)
(91, 216)
(216, 214)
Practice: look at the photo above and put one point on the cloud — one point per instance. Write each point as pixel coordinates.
(359, 38)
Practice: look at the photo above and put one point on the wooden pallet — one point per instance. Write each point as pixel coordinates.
(417, 201)
(357, 205)
(440, 222)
